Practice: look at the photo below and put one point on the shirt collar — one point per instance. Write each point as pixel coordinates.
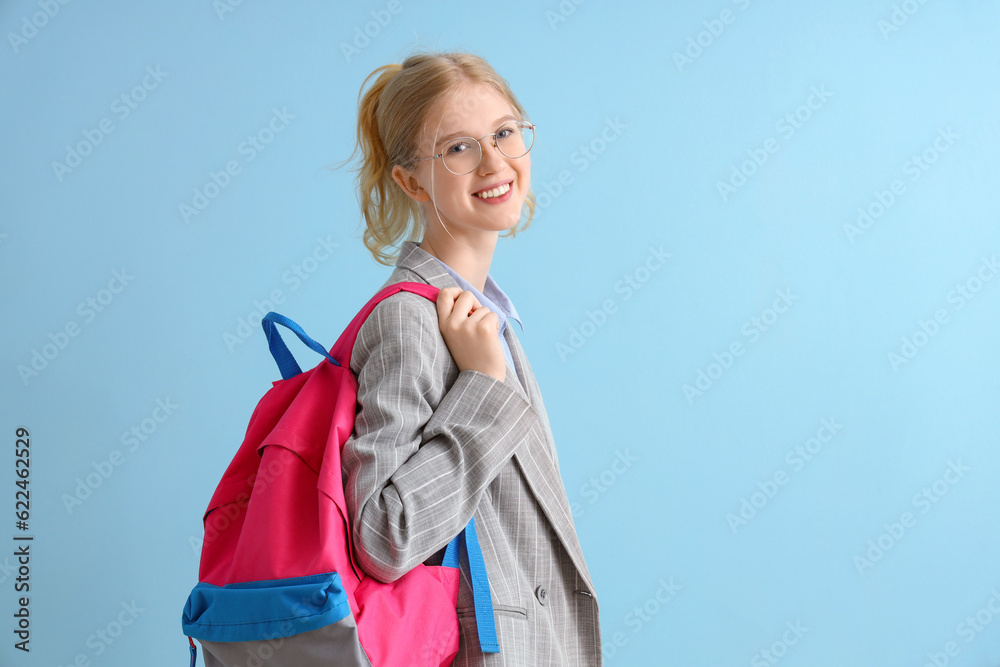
(492, 297)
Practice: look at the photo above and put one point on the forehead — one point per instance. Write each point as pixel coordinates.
(470, 110)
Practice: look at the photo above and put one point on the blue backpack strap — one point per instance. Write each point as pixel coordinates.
(284, 359)
(451, 552)
(485, 622)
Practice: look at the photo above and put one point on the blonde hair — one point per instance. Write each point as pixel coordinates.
(391, 116)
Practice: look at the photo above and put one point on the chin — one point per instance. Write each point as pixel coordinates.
(513, 219)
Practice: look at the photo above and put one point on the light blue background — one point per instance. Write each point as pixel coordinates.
(662, 519)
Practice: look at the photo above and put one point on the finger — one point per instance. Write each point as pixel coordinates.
(484, 314)
(466, 303)
(475, 301)
(449, 293)
(446, 301)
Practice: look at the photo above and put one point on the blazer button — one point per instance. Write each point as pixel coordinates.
(542, 594)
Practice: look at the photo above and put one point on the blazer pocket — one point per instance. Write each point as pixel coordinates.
(499, 609)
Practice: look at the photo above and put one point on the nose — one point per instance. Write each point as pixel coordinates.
(491, 154)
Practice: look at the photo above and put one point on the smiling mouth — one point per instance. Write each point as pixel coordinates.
(498, 191)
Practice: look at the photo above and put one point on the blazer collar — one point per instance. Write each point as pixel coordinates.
(416, 260)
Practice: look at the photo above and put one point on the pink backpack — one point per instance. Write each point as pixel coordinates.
(278, 583)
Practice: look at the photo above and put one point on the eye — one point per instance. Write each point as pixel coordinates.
(505, 132)
(456, 148)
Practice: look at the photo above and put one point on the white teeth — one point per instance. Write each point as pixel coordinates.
(495, 192)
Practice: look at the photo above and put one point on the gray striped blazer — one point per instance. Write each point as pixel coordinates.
(432, 447)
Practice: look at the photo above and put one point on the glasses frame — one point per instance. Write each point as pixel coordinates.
(493, 142)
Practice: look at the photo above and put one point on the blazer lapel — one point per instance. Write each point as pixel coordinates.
(538, 463)
(541, 469)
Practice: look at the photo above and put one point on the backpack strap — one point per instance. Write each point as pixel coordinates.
(483, 602)
(286, 362)
(344, 346)
(466, 542)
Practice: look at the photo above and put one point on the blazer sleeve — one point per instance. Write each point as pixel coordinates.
(414, 471)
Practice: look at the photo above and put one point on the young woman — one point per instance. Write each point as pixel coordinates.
(451, 423)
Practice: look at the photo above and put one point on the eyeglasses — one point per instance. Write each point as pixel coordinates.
(462, 155)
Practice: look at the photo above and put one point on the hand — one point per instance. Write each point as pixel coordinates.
(471, 332)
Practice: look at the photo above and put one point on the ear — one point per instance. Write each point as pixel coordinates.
(407, 180)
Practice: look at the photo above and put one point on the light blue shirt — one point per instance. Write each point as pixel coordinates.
(494, 299)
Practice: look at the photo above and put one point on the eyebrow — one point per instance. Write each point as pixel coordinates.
(451, 136)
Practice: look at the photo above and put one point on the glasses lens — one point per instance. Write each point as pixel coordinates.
(462, 155)
(515, 139)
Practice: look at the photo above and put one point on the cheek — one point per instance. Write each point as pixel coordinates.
(448, 189)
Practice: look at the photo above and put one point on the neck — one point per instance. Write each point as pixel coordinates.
(469, 256)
